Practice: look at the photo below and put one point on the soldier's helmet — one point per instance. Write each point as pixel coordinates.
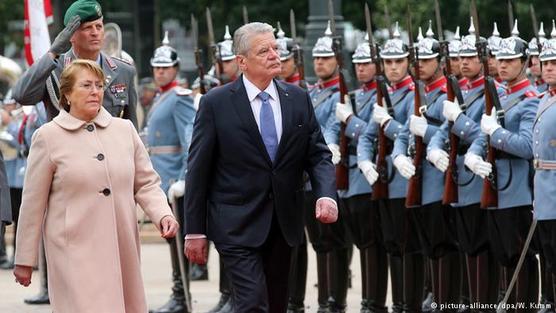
(512, 47)
(533, 46)
(285, 44)
(455, 45)
(493, 42)
(165, 55)
(225, 52)
(548, 51)
(324, 46)
(362, 53)
(468, 43)
(394, 48)
(428, 47)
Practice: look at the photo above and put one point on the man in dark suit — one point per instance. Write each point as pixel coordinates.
(252, 140)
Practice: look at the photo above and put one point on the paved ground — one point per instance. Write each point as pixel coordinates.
(156, 273)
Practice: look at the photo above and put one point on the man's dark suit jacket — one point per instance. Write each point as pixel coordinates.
(230, 176)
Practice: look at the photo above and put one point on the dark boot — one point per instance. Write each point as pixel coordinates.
(396, 275)
(374, 275)
(298, 278)
(464, 285)
(176, 303)
(198, 272)
(224, 298)
(547, 291)
(42, 297)
(413, 274)
(339, 279)
(428, 290)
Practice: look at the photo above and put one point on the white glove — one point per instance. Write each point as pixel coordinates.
(489, 124)
(336, 155)
(197, 100)
(451, 110)
(476, 164)
(380, 114)
(176, 190)
(344, 110)
(369, 171)
(439, 158)
(417, 125)
(404, 166)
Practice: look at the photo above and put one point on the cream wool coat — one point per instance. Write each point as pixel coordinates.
(82, 185)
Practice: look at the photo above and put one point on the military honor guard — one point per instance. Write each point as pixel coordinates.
(470, 219)
(289, 73)
(493, 45)
(510, 130)
(230, 70)
(544, 163)
(82, 38)
(398, 233)
(169, 128)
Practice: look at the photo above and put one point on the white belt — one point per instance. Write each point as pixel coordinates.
(544, 165)
(164, 150)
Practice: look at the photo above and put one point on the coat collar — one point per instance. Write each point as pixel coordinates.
(242, 105)
(69, 122)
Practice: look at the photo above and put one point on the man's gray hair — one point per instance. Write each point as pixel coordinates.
(243, 35)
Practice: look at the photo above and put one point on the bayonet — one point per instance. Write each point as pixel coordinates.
(510, 14)
(331, 17)
(534, 21)
(245, 15)
(216, 60)
(209, 27)
(475, 17)
(297, 52)
(388, 20)
(198, 52)
(292, 25)
(369, 26)
(438, 21)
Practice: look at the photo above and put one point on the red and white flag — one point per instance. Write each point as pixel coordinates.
(38, 14)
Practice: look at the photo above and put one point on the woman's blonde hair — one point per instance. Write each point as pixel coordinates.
(70, 74)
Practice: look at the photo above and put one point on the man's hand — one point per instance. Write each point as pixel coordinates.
(380, 114)
(369, 171)
(439, 158)
(23, 274)
(404, 166)
(344, 110)
(168, 227)
(418, 125)
(196, 250)
(176, 190)
(489, 123)
(451, 110)
(62, 42)
(336, 155)
(476, 164)
(326, 211)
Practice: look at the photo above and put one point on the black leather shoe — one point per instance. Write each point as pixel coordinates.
(426, 306)
(365, 307)
(198, 272)
(323, 308)
(41, 298)
(228, 306)
(6, 264)
(295, 308)
(224, 298)
(172, 306)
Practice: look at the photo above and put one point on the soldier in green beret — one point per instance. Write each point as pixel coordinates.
(82, 38)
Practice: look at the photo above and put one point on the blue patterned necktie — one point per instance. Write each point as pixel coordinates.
(268, 127)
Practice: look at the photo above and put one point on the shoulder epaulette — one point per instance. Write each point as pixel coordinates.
(123, 60)
(180, 91)
(110, 62)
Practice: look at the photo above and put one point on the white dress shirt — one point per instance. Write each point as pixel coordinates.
(256, 103)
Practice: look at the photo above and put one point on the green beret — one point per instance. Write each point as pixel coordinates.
(88, 10)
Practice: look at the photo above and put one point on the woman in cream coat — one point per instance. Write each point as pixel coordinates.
(86, 173)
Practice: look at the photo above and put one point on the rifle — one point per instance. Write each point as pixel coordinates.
(342, 168)
(380, 187)
(245, 15)
(489, 196)
(414, 188)
(197, 51)
(297, 52)
(215, 55)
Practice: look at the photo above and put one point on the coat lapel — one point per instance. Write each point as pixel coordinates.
(286, 105)
(243, 108)
(108, 67)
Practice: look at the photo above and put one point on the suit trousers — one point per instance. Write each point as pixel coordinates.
(259, 276)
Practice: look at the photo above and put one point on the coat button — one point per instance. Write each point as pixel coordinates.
(106, 192)
(90, 127)
(100, 156)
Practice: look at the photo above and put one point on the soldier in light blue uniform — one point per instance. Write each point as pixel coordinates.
(434, 226)
(534, 62)
(508, 224)
(470, 219)
(361, 213)
(399, 241)
(544, 162)
(169, 129)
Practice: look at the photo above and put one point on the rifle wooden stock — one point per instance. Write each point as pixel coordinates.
(298, 59)
(489, 196)
(200, 71)
(380, 187)
(342, 168)
(450, 176)
(414, 188)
